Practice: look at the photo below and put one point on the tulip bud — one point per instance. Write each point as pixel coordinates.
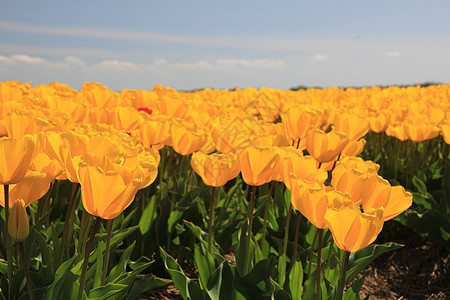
(18, 226)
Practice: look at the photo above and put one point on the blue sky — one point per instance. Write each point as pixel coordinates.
(225, 44)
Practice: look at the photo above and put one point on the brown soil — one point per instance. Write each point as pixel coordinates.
(419, 270)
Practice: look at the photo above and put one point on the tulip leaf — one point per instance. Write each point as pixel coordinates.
(3, 266)
(278, 293)
(64, 281)
(142, 285)
(296, 280)
(353, 291)
(148, 216)
(261, 271)
(47, 257)
(121, 266)
(220, 285)
(419, 185)
(98, 265)
(118, 237)
(205, 265)
(188, 289)
(282, 269)
(201, 236)
(363, 257)
(173, 219)
(108, 291)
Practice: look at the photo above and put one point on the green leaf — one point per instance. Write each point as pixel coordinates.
(98, 266)
(188, 289)
(201, 236)
(173, 219)
(118, 237)
(121, 266)
(262, 271)
(353, 291)
(419, 185)
(108, 291)
(220, 285)
(205, 265)
(282, 269)
(278, 293)
(363, 257)
(143, 285)
(148, 216)
(3, 266)
(296, 280)
(64, 280)
(47, 257)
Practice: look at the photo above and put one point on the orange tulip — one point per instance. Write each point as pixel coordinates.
(258, 164)
(354, 127)
(299, 121)
(303, 167)
(324, 147)
(186, 140)
(352, 229)
(16, 156)
(31, 188)
(107, 189)
(215, 169)
(375, 192)
(398, 202)
(18, 224)
(311, 200)
(354, 148)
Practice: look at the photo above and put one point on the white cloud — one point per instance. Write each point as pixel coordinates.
(160, 62)
(203, 65)
(75, 61)
(320, 57)
(392, 54)
(118, 65)
(27, 59)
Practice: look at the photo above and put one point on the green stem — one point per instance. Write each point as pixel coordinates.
(249, 229)
(330, 251)
(311, 253)
(25, 269)
(343, 273)
(109, 227)
(86, 258)
(319, 265)
(266, 213)
(68, 223)
(297, 232)
(286, 229)
(8, 241)
(211, 216)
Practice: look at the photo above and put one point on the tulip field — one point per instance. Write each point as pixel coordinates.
(224, 194)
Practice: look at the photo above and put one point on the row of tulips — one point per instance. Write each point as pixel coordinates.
(108, 144)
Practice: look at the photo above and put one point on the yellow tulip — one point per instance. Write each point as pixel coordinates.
(375, 192)
(354, 126)
(31, 188)
(107, 189)
(354, 148)
(299, 121)
(352, 229)
(215, 169)
(186, 140)
(258, 164)
(18, 224)
(398, 202)
(311, 200)
(16, 156)
(303, 167)
(323, 146)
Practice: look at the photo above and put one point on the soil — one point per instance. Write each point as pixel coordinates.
(419, 270)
